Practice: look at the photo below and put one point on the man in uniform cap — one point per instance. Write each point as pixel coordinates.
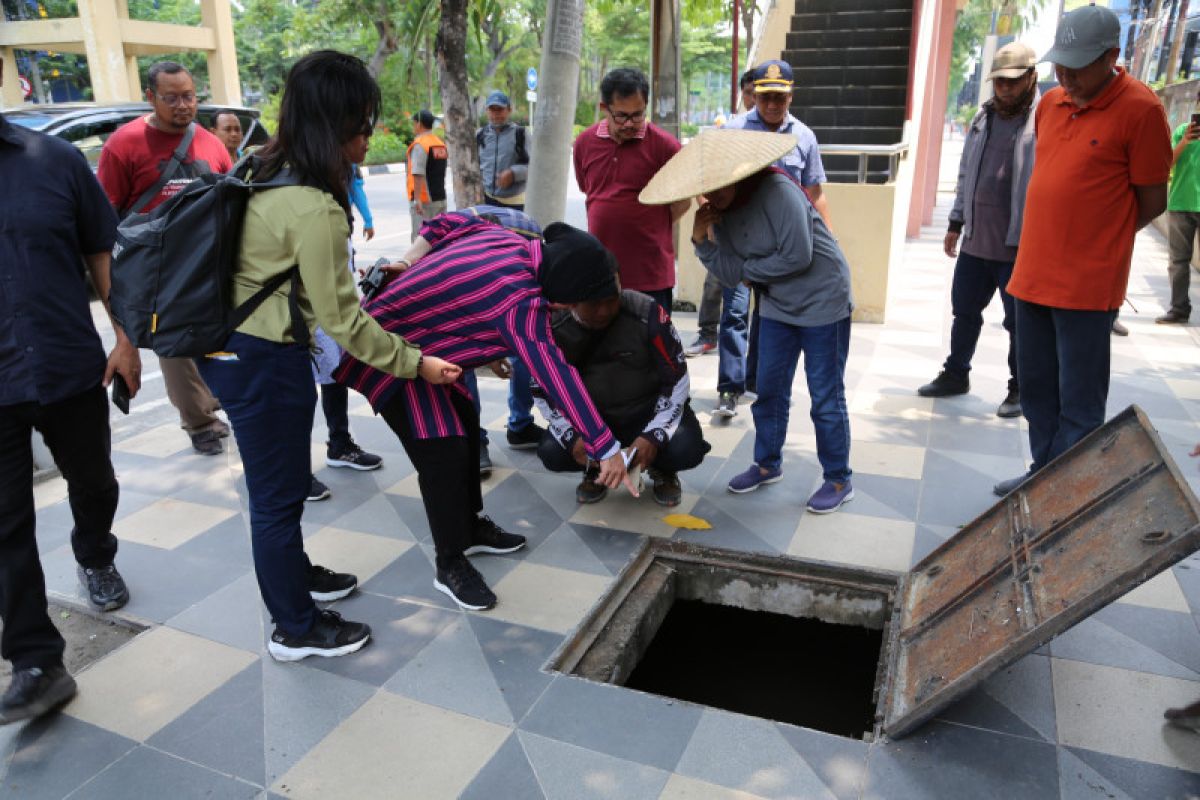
(989, 203)
(1103, 158)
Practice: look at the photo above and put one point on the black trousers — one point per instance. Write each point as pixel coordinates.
(686, 449)
(448, 474)
(77, 433)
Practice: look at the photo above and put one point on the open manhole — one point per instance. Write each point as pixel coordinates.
(856, 652)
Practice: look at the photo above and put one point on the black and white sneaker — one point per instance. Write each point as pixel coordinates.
(491, 538)
(35, 691)
(325, 585)
(464, 585)
(317, 491)
(105, 587)
(352, 456)
(528, 438)
(330, 636)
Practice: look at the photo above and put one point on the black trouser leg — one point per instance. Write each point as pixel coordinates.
(335, 403)
(687, 447)
(448, 474)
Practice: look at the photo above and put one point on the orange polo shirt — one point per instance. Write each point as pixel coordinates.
(1080, 209)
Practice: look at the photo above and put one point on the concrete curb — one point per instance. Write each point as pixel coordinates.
(383, 169)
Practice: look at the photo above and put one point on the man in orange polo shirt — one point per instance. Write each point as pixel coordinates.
(1101, 167)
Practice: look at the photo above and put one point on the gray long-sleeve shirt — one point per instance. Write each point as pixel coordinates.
(778, 240)
(498, 153)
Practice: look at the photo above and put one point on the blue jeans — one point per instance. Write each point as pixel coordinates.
(824, 348)
(975, 282)
(270, 398)
(1063, 362)
(733, 341)
(520, 398)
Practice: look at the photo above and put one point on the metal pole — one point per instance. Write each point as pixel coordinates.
(554, 114)
(733, 90)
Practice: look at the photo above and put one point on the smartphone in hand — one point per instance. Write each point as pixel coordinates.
(120, 393)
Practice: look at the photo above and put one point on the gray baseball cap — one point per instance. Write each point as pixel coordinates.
(1084, 35)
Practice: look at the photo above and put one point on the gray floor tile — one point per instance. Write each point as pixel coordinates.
(729, 532)
(563, 548)
(840, 762)
(944, 760)
(1078, 781)
(1095, 642)
(885, 496)
(377, 516)
(991, 438)
(409, 577)
(769, 516)
(399, 630)
(451, 672)
(55, 755)
(1187, 573)
(224, 731)
(515, 654)
(517, 507)
(301, 706)
(953, 506)
(227, 542)
(1171, 633)
(150, 773)
(614, 548)
(567, 772)
(232, 615)
(750, 755)
(623, 723)
(557, 489)
(51, 536)
(930, 538)
(1137, 779)
(161, 583)
(508, 775)
(412, 513)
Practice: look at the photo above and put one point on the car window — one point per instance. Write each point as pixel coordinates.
(89, 135)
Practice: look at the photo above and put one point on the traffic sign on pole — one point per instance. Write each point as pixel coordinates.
(531, 79)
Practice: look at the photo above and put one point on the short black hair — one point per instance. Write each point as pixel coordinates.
(425, 117)
(216, 115)
(624, 82)
(747, 78)
(167, 67)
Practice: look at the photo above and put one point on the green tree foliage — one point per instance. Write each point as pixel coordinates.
(973, 24)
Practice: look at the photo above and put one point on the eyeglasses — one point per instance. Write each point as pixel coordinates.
(185, 99)
(621, 119)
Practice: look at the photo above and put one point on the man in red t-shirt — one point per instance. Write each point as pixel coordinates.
(131, 163)
(614, 160)
(1100, 174)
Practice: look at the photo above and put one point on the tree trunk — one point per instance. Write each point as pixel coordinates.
(749, 11)
(1135, 11)
(1180, 30)
(451, 52)
(387, 45)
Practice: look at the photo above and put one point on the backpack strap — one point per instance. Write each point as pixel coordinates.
(300, 332)
(167, 173)
(480, 139)
(522, 153)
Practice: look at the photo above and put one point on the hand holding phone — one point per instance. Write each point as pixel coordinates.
(120, 393)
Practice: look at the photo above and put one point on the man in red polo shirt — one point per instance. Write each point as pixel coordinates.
(1101, 166)
(614, 160)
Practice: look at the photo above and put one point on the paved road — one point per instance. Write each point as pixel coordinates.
(386, 194)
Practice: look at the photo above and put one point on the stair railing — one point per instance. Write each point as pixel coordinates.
(894, 152)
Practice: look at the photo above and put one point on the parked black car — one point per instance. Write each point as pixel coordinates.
(88, 125)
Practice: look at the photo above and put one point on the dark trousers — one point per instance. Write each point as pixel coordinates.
(663, 297)
(1063, 361)
(448, 474)
(270, 398)
(76, 431)
(752, 344)
(335, 404)
(709, 313)
(1181, 238)
(976, 281)
(686, 449)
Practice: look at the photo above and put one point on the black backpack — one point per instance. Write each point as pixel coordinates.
(522, 153)
(173, 268)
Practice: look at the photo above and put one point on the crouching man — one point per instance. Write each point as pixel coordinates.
(631, 360)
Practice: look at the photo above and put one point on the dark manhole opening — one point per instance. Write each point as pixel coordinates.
(804, 671)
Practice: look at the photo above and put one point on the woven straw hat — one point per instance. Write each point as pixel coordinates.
(712, 160)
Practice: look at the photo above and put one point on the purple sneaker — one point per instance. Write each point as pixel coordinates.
(753, 478)
(830, 497)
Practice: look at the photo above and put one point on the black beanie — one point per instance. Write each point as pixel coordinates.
(575, 267)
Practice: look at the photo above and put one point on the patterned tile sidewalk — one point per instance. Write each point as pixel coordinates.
(449, 704)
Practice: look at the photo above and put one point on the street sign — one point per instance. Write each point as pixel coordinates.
(531, 96)
(26, 86)
(531, 79)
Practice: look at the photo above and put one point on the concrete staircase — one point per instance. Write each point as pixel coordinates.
(850, 59)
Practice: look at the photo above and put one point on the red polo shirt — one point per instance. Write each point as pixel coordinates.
(1080, 209)
(611, 176)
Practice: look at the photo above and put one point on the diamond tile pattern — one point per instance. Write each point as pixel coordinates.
(444, 704)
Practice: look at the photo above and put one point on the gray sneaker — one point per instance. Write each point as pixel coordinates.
(1005, 488)
(726, 405)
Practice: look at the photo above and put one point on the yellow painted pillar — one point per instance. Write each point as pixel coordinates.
(11, 96)
(222, 62)
(105, 52)
(136, 90)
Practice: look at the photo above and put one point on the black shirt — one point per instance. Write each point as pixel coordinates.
(52, 213)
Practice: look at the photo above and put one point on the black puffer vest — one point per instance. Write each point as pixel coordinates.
(616, 364)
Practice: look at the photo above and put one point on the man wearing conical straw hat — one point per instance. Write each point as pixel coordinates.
(756, 225)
